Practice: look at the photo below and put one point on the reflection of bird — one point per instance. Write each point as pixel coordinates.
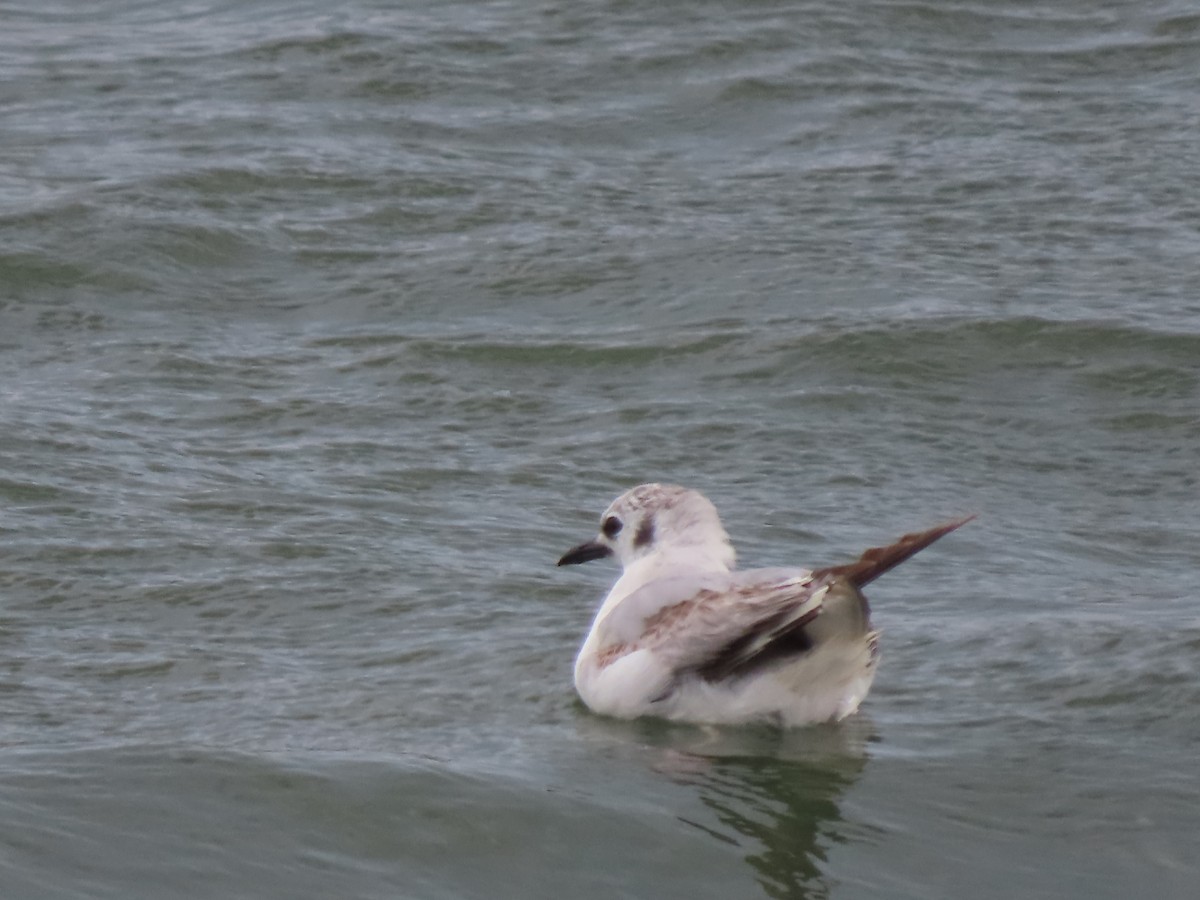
(683, 636)
(784, 814)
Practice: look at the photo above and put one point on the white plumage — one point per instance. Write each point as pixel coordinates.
(683, 636)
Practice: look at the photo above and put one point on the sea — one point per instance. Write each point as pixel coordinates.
(325, 329)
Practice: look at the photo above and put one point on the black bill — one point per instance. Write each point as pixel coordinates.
(585, 552)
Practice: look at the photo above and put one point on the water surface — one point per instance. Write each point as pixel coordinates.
(323, 332)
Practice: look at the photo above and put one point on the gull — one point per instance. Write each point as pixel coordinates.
(684, 636)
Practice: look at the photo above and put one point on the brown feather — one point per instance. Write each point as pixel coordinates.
(878, 560)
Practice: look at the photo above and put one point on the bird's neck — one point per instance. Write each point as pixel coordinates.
(697, 559)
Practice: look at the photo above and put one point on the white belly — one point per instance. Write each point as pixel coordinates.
(824, 685)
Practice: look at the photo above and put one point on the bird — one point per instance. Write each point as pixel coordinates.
(682, 635)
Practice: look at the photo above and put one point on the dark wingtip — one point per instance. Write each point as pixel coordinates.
(878, 560)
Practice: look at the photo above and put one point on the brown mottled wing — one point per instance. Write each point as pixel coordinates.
(723, 631)
(878, 560)
(726, 626)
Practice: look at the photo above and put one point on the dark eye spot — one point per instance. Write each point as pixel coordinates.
(612, 527)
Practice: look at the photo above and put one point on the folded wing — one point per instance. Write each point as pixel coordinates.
(721, 626)
(730, 625)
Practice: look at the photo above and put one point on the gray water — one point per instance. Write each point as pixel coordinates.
(326, 328)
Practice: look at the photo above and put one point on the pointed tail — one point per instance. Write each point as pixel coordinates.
(878, 560)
